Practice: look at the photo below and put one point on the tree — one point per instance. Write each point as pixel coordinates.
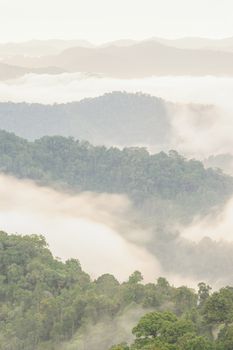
(219, 307)
(203, 293)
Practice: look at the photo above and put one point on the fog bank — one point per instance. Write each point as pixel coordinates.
(89, 227)
(217, 227)
(101, 231)
(68, 87)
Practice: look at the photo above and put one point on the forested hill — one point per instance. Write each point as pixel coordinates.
(46, 304)
(109, 119)
(79, 166)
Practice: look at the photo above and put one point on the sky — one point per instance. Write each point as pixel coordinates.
(99, 21)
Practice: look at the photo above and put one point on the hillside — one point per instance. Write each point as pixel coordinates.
(132, 171)
(8, 72)
(166, 191)
(48, 304)
(117, 118)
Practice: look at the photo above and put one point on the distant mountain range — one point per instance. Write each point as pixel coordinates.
(195, 43)
(126, 59)
(12, 71)
(39, 47)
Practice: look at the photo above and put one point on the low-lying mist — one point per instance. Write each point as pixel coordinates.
(87, 226)
(218, 227)
(101, 231)
(69, 87)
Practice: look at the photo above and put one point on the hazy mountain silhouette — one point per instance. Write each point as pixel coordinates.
(117, 118)
(195, 43)
(135, 61)
(12, 72)
(39, 47)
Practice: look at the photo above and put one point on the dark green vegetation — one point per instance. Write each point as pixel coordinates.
(48, 304)
(149, 180)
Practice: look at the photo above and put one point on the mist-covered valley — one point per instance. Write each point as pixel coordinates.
(116, 175)
(156, 200)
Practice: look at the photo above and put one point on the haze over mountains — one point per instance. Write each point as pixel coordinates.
(123, 119)
(124, 59)
(118, 118)
(116, 175)
(118, 199)
(39, 47)
(113, 176)
(76, 79)
(193, 43)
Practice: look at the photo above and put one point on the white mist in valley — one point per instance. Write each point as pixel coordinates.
(84, 226)
(69, 87)
(217, 226)
(97, 229)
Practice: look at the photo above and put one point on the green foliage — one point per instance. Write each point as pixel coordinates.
(164, 331)
(203, 293)
(225, 338)
(219, 307)
(45, 303)
(120, 347)
(153, 182)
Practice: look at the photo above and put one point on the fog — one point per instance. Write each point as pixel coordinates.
(217, 227)
(88, 226)
(68, 87)
(101, 231)
(201, 133)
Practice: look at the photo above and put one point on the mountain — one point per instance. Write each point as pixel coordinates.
(195, 43)
(39, 47)
(135, 61)
(8, 72)
(117, 118)
(11, 72)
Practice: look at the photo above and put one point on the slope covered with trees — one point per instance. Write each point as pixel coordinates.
(49, 304)
(116, 118)
(151, 181)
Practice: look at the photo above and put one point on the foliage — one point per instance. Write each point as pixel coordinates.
(165, 184)
(45, 302)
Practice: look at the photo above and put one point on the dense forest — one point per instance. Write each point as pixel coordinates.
(147, 179)
(49, 304)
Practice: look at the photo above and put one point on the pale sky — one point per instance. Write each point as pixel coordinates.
(105, 20)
